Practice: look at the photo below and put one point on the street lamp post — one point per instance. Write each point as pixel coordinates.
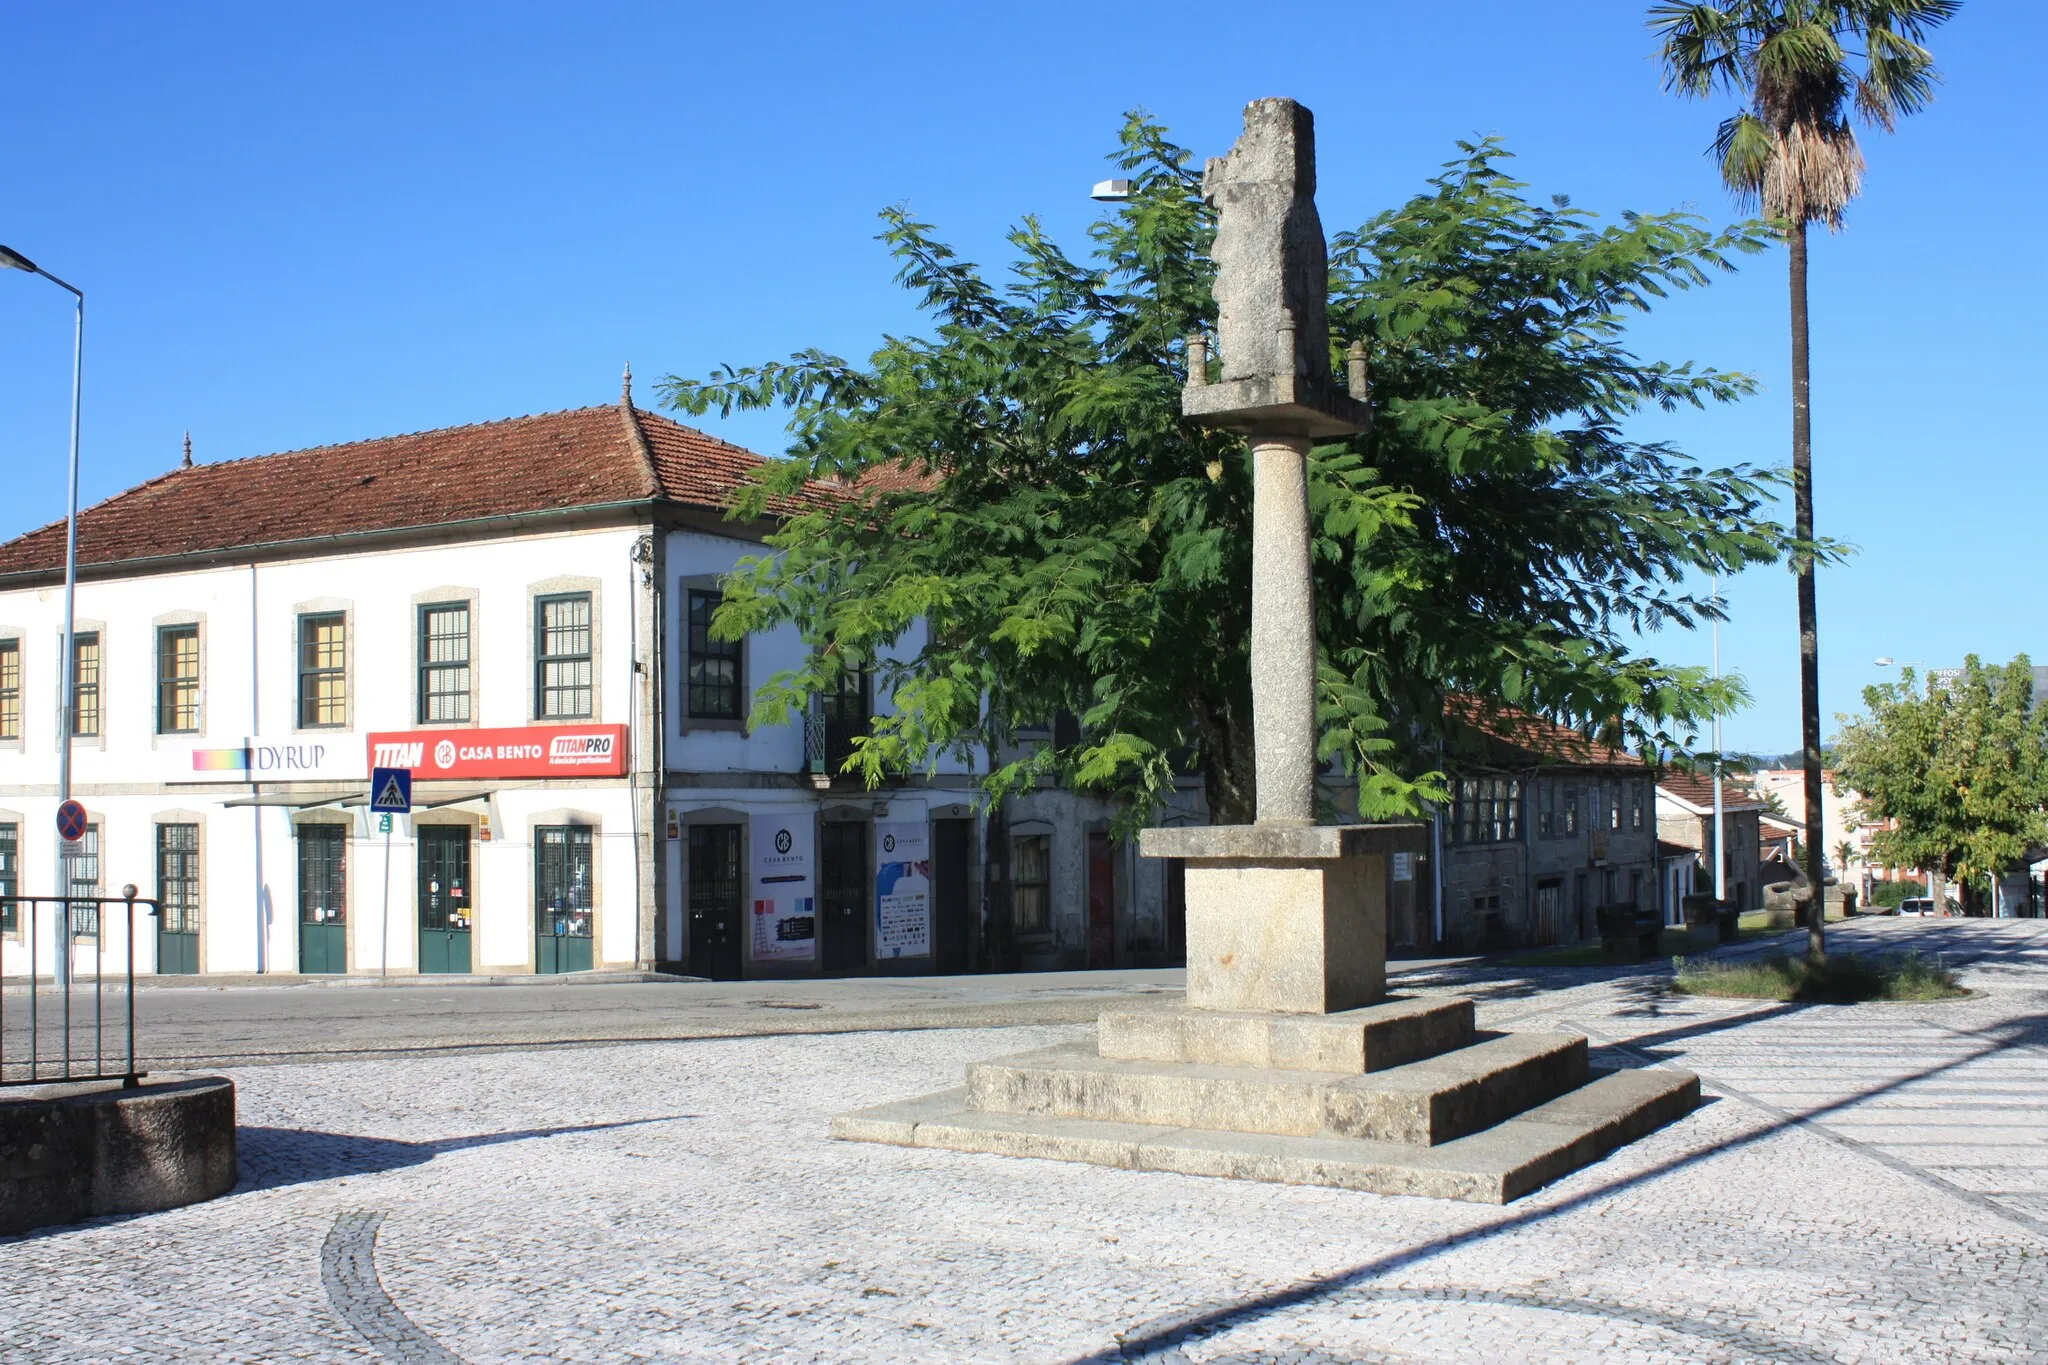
(1720, 855)
(67, 703)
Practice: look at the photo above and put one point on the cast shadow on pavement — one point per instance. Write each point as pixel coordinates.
(275, 1157)
(1161, 1339)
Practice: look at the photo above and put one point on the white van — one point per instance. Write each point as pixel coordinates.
(1917, 905)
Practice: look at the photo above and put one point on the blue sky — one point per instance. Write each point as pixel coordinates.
(299, 225)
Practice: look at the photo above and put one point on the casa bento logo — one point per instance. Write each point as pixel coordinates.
(782, 841)
(444, 754)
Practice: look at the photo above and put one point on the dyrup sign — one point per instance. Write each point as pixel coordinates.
(525, 751)
(296, 758)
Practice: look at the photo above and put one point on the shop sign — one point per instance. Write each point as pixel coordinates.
(903, 889)
(294, 758)
(785, 902)
(522, 751)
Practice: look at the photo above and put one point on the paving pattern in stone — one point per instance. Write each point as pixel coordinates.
(1866, 1186)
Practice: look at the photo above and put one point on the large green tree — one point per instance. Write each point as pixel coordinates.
(1020, 479)
(1958, 768)
(1792, 151)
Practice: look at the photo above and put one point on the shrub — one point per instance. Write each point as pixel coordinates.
(1843, 979)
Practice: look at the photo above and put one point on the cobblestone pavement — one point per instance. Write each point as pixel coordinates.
(1867, 1185)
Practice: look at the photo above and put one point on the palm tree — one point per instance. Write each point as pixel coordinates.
(1792, 152)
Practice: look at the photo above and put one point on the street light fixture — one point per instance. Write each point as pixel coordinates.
(67, 705)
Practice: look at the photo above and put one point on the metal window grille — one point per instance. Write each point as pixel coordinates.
(444, 662)
(81, 878)
(323, 671)
(714, 681)
(1571, 811)
(1031, 883)
(177, 680)
(323, 874)
(562, 643)
(85, 693)
(10, 877)
(10, 689)
(177, 877)
(562, 870)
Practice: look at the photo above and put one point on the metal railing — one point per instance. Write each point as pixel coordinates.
(42, 1010)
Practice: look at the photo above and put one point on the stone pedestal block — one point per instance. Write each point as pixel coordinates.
(1285, 919)
(1293, 938)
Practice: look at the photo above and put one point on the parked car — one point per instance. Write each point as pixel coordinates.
(1917, 905)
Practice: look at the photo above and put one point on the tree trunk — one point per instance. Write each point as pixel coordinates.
(1809, 626)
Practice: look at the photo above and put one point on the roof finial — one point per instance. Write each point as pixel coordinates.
(188, 450)
(626, 393)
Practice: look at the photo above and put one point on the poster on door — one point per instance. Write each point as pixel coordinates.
(785, 896)
(903, 890)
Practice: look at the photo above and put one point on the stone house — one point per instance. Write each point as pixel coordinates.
(1545, 827)
(1685, 817)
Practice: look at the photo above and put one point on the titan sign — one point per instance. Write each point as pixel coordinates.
(527, 751)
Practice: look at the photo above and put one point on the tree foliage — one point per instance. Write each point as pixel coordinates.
(1959, 768)
(1020, 480)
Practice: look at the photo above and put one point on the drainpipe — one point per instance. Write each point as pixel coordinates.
(639, 574)
(1436, 877)
(255, 788)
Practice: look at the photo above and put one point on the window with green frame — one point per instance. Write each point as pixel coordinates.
(177, 680)
(85, 684)
(10, 689)
(444, 663)
(323, 671)
(562, 652)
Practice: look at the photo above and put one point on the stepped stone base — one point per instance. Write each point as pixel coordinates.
(1402, 1097)
(1494, 1166)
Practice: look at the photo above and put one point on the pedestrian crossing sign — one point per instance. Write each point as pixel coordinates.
(391, 790)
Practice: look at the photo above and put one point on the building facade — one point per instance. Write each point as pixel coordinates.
(517, 613)
(1685, 819)
(1545, 829)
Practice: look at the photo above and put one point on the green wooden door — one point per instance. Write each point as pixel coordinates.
(177, 890)
(563, 921)
(444, 898)
(323, 899)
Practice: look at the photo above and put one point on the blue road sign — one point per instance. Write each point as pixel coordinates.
(391, 790)
(71, 821)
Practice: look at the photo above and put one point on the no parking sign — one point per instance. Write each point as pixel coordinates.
(71, 822)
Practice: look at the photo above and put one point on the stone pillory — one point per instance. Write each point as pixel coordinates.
(1272, 275)
(1288, 1061)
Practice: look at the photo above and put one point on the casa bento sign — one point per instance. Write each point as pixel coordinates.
(524, 751)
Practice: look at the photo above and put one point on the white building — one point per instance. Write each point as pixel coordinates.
(515, 613)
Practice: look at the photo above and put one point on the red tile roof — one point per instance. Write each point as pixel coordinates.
(1542, 739)
(1697, 791)
(557, 461)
